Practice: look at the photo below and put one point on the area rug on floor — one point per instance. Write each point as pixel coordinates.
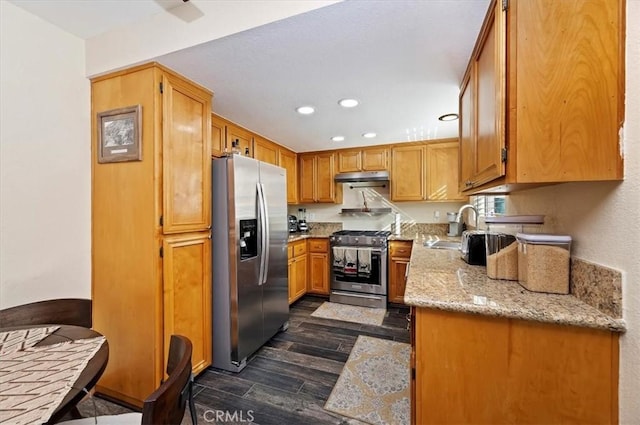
(350, 313)
(374, 384)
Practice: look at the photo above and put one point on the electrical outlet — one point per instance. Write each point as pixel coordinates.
(436, 215)
(312, 216)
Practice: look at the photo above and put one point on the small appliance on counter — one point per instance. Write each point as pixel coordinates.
(293, 224)
(302, 220)
(472, 247)
(455, 228)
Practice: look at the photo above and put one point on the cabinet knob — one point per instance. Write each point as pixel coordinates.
(468, 183)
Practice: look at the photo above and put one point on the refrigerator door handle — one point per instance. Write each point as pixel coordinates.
(263, 225)
(266, 235)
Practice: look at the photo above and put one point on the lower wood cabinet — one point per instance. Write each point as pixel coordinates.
(470, 368)
(399, 256)
(318, 282)
(187, 294)
(297, 266)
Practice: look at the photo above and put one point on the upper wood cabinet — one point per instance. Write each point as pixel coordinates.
(425, 172)
(375, 159)
(366, 159)
(224, 132)
(186, 164)
(558, 89)
(408, 173)
(442, 172)
(150, 229)
(349, 161)
(289, 161)
(316, 177)
(243, 137)
(264, 150)
(218, 136)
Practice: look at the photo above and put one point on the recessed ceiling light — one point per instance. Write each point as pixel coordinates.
(348, 103)
(448, 117)
(338, 138)
(369, 135)
(306, 110)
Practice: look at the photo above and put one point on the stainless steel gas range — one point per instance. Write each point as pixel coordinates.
(359, 267)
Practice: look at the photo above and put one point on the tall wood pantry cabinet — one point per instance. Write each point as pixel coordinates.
(151, 230)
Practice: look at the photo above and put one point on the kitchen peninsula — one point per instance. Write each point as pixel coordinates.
(489, 351)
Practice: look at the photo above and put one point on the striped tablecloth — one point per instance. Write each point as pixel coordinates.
(34, 380)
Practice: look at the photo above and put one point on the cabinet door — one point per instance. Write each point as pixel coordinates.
(293, 278)
(325, 174)
(289, 161)
(242, 136)
(491, 100)
(375, 159)
(455, 351)
(467, 130)
(218, 136)
(307, 179)
(301, 276)
(408, 173)
(319, 273)
(264, 150)
(567, 89)
(349, 161)
(187, 293)
(186, 160)
(397, 271)
(442, 172)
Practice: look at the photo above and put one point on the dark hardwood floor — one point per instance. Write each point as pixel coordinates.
(289, 380)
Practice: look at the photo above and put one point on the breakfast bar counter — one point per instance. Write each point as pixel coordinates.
(440, 279)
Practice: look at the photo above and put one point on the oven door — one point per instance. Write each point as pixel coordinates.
(374, 282)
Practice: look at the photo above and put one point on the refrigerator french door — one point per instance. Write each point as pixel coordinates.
(249, 240)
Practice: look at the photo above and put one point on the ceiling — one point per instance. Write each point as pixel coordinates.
(402, 59)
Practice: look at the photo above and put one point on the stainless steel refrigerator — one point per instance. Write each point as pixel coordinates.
(250, 281)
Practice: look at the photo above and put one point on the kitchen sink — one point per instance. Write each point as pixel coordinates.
(439, 244)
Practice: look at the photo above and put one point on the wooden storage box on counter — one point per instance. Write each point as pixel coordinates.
(543, 262)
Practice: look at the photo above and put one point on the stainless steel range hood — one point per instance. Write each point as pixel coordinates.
(362, 176)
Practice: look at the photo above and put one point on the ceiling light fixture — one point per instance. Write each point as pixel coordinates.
(369, 135)
(348, 103)
(337, 138)
(448, 117)
(305, 110)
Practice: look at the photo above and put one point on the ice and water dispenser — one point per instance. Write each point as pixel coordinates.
(248, 239)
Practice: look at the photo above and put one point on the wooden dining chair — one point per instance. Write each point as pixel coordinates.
(167, 404)
(62, 311)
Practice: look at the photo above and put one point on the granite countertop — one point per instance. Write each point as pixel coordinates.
(440, 279)
(306, 235)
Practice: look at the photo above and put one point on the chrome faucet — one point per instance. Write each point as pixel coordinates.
(464, 207)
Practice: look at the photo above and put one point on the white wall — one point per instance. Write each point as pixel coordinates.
(165, 33)
(45, 174)
(604, 221)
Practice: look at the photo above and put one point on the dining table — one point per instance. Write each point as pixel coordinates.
(28, 353)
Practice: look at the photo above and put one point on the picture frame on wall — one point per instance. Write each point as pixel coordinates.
(120, 135)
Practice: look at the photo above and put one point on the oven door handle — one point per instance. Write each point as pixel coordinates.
(373, 250)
